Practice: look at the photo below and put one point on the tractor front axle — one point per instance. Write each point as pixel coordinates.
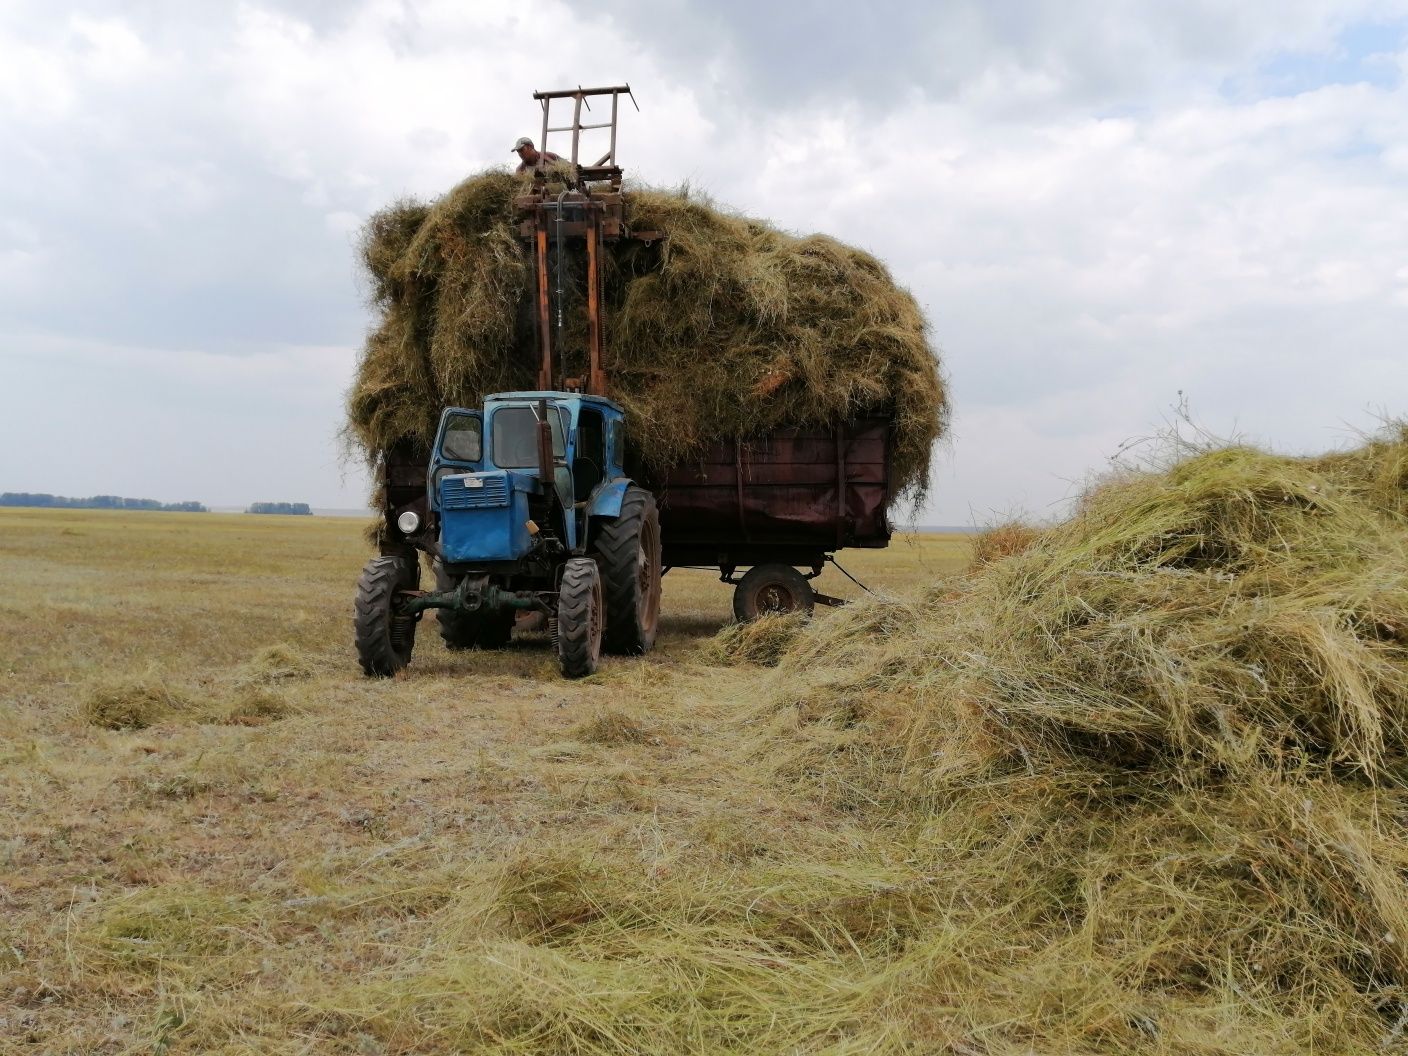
(471, 595)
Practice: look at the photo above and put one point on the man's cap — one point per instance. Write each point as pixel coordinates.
(523, 141)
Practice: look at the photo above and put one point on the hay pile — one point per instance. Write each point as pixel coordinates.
(726, 329)
(1138, 785)
(1152, 766)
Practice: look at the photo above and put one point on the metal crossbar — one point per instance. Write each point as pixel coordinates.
(579, 97)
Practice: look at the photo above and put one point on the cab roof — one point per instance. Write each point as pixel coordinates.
(582, 397)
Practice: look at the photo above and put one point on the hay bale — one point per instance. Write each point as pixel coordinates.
(728, 328)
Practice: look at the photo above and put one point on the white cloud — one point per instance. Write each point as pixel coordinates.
(109, 50)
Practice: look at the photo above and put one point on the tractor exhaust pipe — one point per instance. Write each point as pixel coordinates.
(545, 473)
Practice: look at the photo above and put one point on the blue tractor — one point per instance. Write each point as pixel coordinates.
(529, 509)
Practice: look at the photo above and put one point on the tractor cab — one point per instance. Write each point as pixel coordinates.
(524, 476)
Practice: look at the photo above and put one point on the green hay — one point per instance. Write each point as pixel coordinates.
(729, 328)
(1179, 723)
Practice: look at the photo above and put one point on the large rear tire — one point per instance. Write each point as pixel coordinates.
(579, 618)
(470, 630)
(627, 549)
(384, 638)
(772, 588)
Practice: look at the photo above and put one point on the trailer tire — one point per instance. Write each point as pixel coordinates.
(772, 588)
(384, 639)
(463, 630)
(627, 549)
(580, 618)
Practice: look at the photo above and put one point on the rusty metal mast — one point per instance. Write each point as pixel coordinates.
(589, 211)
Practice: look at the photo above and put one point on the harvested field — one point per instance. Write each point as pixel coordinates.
(728, 328)
(242, 874)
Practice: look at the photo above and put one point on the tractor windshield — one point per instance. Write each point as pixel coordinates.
(462, 438)
(516, 437)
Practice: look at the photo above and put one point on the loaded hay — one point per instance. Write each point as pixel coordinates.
(727, 328)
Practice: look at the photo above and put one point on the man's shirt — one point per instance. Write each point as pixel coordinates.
(544, 157)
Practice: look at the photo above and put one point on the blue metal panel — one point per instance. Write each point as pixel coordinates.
(606, 498)
(484, 517)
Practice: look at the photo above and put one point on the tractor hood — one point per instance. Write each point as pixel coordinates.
(484, 516)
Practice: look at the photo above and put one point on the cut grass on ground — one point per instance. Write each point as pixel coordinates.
(282, 857)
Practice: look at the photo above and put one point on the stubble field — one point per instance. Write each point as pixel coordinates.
(218, 837)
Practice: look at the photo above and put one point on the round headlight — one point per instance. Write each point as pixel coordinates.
(408, 522)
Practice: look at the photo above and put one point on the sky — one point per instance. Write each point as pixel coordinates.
(1107, 209)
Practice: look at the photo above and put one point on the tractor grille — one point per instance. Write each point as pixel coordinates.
(457, 494)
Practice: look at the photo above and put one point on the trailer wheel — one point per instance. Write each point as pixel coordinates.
(384, 638)
(627, 549)
(579, 618)
(771, 588)
(464, 630)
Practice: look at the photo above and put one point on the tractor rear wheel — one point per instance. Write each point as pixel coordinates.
(384, 637)
(772, 588)
(628, 551)
(579, 618)
(468, 630)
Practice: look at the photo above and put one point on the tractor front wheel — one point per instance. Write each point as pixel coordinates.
(580, 617)
(772, 588)
(628, 550)
(384, 637)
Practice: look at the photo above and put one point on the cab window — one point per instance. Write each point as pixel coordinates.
(589, 465)
(618, 443)
(516, 437)
(463, 439)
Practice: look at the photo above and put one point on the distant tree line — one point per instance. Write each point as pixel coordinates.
(296, 508)
(94, 502)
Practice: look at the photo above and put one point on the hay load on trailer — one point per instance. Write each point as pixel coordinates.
(780, 392)
(723, 327)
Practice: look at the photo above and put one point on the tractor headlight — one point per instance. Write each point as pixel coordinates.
(408, 522)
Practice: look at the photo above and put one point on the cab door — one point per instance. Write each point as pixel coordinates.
(459, 448)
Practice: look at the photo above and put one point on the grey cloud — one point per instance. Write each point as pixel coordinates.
(836, 52)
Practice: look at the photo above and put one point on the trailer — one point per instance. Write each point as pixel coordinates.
(774, 504)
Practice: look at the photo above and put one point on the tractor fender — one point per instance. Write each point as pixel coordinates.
(606, 498)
